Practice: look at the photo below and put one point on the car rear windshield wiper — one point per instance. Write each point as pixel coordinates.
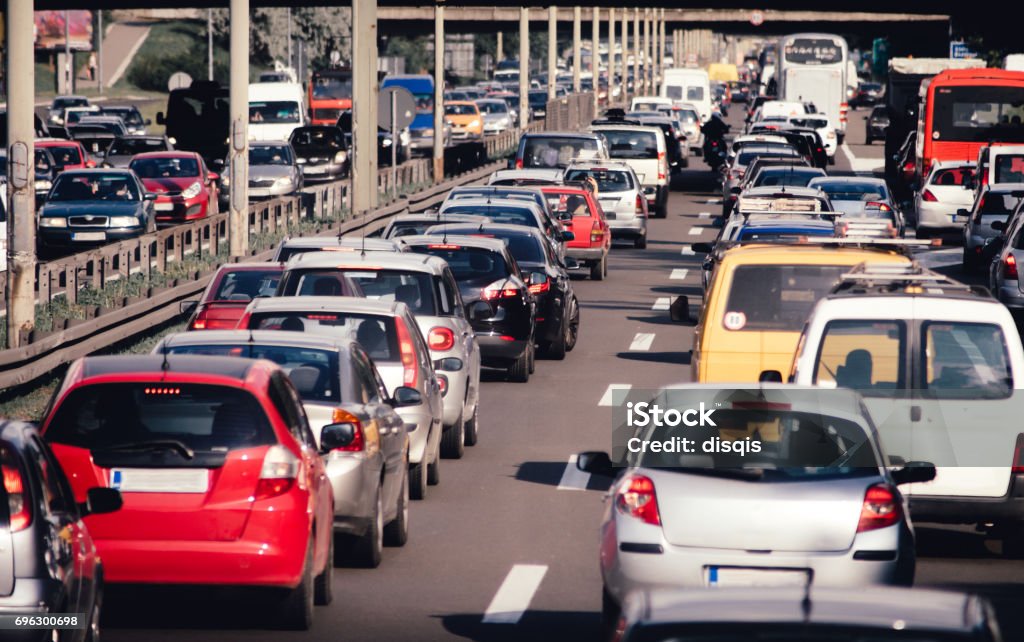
(157, 444)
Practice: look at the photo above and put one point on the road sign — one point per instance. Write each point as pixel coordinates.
(179, 80)
(958, 49)
(405, 108)
(757, 17)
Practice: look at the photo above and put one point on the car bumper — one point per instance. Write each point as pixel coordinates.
(938, 216)
(64, 237)
(1009, 294)
(421, 142)
(322, 172)
(418, 422)
(494, 350)
(633, 228)
(181, 209)
(971, 510)
(458, 134)
(687, 567)
(354, 478)
(262, 193)
(586, 254)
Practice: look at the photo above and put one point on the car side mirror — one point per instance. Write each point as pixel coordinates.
(448, 364)
(571, 263)
(188, 307)
(568, 236)
(998, 226)
(405, 396)
(914, 472)
(479, 310)
(160, 118)
(99, 501)
(148, 122)
(679, 311)
(336, 436)
(770, 376)
(149, 196)
(213, 177)
(595, 462)
(702, 248)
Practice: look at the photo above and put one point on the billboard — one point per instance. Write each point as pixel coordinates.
(49, 29)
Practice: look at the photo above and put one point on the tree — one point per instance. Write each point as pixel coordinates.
(322, 29)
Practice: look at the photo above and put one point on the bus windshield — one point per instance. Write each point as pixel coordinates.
(978, 114)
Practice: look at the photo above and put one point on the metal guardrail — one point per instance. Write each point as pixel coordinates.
(322, 208)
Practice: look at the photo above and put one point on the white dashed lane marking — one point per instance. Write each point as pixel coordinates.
(704, 215)
(608, 398)
(694, 231)
(662, 303)
(642, 342)
(687, 251)
(573, 478)
(679, 274)
(515, 594)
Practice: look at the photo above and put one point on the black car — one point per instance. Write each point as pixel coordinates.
(384, 141)
(558, 312)
(538, 102)
(321, 152)
(46, 172)
(868, 93)
(487, 274)
(48, 563)
(740, 91)
(95, 138)
(93, 206)
(877, 123)
(130, 115)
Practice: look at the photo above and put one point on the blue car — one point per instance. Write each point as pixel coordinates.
(773, 229)
(90, 207)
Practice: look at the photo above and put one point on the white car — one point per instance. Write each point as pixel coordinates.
(948, 187)
(645, 150)
(938, 364)
(826, 128)
(620, 195)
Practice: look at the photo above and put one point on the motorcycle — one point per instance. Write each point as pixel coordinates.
(715, 153)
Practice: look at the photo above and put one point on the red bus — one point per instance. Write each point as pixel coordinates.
(330, 93)
(967, 109)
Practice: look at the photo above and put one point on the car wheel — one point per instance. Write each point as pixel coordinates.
(574, 326)
(366, 550)
(533, 358)
(297, 608)
(473, 428)
(396, 532)
(434, 470)
(609, 615)
(597, 271)
(519, 371)
(966, 264)
(831, 160)
(418, 480)
(661, 211)
(641, 242)
(453, 444)
(323, 585)
(556, 349)
(922, 233)
(93, 633)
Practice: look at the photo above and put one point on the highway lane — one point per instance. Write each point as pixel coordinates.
(506, 548)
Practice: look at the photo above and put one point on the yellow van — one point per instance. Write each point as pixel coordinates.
(757, 303)
(722, 72)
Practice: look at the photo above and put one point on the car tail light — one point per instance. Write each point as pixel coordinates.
(279, 473)
(636, 498)
(358, 444)
(440, 339)
(1010, 267)
(497, 290)
(874, 205)
(881, 508)
(596, 234)
(928, 196)
(519, 163)
(410, 365)
(18, 506)
(541, 288)
(661, 166)
(640, 205)
(1018, 452)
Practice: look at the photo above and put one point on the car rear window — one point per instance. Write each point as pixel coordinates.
(409, 228)
(853, 191)
(625, 143)
(996, 204)
(475, 266)
(246, 285)
(65, 154)
(376, 333)
(314, 372)
(125, 416)
(784, 178)
(497, 213)
(776, 297)
(747, 155)
(415, 289)
(966, 361)
(562, 203)
(553, 151)
(608, 180)
(863, 355)
(954, 176)
(1009, 168)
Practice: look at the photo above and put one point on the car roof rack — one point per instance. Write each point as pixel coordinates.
(898, 279)
(903, 246)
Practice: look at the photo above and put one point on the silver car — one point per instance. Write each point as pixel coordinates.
(412, 224)
(1004, 269)
(993, 204)
(273, 171)
(497, 117)
(341, 390)
(428, 288)
(620, 195)
(814, 504)
(121, 150)
(390, 336)
(290, 246)
(865, 206)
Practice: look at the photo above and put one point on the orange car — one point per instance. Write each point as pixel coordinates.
(465, 119)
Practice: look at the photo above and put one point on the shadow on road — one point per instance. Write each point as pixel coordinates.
(189, 607)
(536, 626)
(549, 473)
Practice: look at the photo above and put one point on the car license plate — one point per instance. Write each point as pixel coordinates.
(730, 576)
(160, 480)
(163, 207)
(89, 236)
(609, 216)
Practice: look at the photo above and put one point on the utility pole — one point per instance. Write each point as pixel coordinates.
(209, 44)
(99, 50)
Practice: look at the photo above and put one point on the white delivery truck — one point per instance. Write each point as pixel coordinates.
(685, 85)
(275, 109)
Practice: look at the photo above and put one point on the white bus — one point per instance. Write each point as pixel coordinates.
(812, 67)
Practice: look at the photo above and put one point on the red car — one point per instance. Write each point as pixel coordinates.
(185, 189)
(581, 214)
(222, 478)
(67, 154)
(230, 291)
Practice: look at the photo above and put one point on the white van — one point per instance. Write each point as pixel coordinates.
(1005, 164)
(1014, 62)
(275, 109)
(689, 86)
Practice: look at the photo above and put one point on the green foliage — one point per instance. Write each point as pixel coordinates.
(323, 29)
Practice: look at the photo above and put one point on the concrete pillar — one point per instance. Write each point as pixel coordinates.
(595, 68)
(499, 55)
(638, 87)
(552, 49)
(524, 66)
(209, 44)
(238, 219)
(439, 118)
(649, 50)
(661, 49)
(99, 52)
(365, 94)
(611, 53)
(577, 65)
(21, 204)
(624, 61)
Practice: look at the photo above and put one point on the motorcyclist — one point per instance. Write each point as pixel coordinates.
(714, 131)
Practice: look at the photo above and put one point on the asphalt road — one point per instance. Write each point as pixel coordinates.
(512, 515)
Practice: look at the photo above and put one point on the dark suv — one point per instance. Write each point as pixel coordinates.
(48, 563)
